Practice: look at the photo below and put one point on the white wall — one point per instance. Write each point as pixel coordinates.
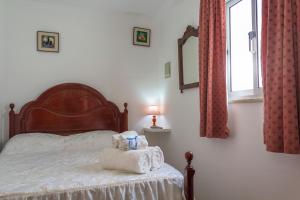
(232, 169)
(95, 49)
(2, 62)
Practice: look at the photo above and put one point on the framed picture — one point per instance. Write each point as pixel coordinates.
(48, 41)
(141, 36)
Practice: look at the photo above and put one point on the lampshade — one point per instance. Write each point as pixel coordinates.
(153, 110)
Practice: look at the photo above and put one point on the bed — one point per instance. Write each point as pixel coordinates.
(54, 147)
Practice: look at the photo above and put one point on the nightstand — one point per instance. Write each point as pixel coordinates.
(156, 131)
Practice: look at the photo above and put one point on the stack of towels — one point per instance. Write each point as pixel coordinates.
(131, 153)
(129, 140)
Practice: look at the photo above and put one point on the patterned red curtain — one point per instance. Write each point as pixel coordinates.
(212, 56)
(281, 74)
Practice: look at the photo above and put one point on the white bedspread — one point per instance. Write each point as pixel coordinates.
(78, 175)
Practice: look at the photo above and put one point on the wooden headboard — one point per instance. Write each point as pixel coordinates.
(67, 109)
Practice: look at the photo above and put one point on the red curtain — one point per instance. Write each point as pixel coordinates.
(281, 74)
(212, 56)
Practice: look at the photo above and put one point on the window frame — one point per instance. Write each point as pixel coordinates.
(257, 91)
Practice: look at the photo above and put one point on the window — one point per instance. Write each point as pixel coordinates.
(243, 49)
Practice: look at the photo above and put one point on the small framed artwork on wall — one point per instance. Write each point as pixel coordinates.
(141, 36)
(48, 41)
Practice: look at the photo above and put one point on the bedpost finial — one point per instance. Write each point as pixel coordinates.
(12, 106)
(125, 105)
(189, 157)
(189, 177)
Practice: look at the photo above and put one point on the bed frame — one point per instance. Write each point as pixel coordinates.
(72, 108)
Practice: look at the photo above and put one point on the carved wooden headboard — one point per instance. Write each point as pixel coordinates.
(67, 109)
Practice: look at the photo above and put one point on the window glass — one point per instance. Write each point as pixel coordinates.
(241, 58)
(259, 22)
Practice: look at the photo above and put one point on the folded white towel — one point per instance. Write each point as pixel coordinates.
(128, 133)
(116, 137)
(132, 143)
(115, 140)
(137, 161)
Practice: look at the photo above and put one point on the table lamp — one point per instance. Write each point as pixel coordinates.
(154, 110)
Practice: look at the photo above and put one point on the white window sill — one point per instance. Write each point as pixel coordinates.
(247, 100)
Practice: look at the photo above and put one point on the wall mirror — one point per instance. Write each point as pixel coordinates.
(188, 59)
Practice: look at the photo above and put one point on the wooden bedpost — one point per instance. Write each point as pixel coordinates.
(124, 123)
(12, 130)
(189, 177)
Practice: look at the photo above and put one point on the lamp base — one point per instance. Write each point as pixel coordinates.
(156, 127)
(154, 123)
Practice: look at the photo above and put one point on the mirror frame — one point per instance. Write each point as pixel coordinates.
(189, 32)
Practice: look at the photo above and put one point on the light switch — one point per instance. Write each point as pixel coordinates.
(168, 70)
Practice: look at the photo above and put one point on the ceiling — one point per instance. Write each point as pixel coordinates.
(148, 7)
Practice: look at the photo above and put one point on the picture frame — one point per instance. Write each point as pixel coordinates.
(48, 41)
(141, 36)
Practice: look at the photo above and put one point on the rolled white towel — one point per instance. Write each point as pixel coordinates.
(132, 143)
(136, 161)
(142, 142)
(116, 137)
(157, 157)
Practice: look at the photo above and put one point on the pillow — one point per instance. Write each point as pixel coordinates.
(94, 140)
(43, 142)
(33, 143)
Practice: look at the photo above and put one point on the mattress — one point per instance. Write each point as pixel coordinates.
(75, 174)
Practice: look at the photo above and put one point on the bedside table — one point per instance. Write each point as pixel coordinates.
(156, 131)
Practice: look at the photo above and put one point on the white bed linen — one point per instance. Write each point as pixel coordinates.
(78, 175)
